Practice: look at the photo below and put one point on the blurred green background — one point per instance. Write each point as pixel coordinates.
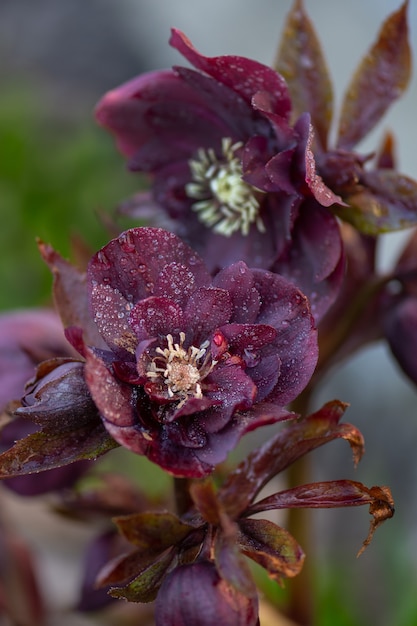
(57, 177)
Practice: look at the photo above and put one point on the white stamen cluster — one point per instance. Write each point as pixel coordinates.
(181, 370)
(226, 202)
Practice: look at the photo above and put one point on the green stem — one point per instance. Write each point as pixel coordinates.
(300, 590)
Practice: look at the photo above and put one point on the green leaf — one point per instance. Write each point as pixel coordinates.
(380, 79)
(123, 569)
(144, 588)
(50, 448)
(301, 62)
(272, 547)
(153, 531)
(386, 202)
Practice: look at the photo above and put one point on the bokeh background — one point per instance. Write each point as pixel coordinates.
(59, 174)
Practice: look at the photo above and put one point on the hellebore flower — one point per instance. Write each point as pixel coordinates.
(226, 165)
(192, 362)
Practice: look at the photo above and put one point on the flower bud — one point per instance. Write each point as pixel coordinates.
(195, 595)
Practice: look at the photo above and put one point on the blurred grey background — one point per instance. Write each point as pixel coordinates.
(69, 52)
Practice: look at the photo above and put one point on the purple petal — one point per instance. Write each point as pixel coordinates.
(225, 104)
(152, 105)
(113, 399)
(315, 260)
(156, 317)
(234, 389)
(111, 310)
(238, 280)
(244, 76)
(177, 282)
(285, 308)
(206, 310)
(132, 263)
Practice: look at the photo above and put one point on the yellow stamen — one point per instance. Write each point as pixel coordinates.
(225, 202)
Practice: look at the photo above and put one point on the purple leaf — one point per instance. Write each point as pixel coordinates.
(379, 80)
(301, 62)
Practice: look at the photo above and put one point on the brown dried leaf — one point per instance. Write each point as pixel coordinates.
(381, 509)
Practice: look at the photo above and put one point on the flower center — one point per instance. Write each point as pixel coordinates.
(181, 370)
(225, 202)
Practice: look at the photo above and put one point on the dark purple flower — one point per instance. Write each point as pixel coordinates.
(192, 362)
(226, 164)
(195, 594)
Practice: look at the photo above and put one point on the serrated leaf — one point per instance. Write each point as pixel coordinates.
(380, 79)
(51, 448)
(301, 62)
(272, 547)
(386, 202)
